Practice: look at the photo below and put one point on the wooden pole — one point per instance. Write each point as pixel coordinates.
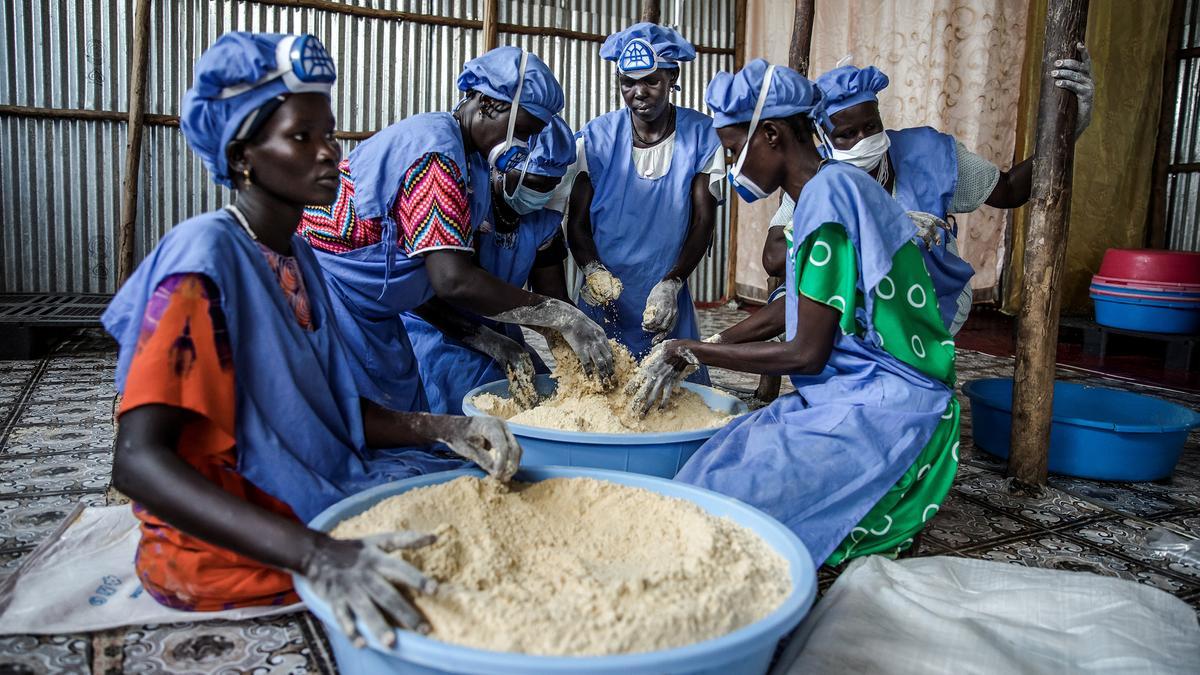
(1156, 226)
(651, 11)
(491, 27)
(739, 60)
(133, 147)
(798, 54)
(802, 26)
(1045, 250)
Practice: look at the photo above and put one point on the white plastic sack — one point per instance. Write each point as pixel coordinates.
(953, 615)
(81, 579)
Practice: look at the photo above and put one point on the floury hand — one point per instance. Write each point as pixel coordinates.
(585, 338)
(512, 357)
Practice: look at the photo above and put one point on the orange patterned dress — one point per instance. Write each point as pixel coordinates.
(184, 360)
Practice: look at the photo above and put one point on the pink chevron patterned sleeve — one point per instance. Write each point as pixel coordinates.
(432, 210)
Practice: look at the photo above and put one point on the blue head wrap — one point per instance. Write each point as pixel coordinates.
(495, 74)
(733, 97)
(848, 86)
(554, 150)
(236, 77)
(643, 48)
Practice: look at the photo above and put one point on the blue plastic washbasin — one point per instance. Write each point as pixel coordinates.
(1097, 433)
(1149, 316)
(654, 454)
(746, 651)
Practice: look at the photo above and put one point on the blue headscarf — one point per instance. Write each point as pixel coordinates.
(554, 150)
(643, 48)
(235, 78)
(848, 86)
(733, 97)
(495, 74)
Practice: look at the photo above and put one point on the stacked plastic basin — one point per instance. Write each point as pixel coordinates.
(1148, 290)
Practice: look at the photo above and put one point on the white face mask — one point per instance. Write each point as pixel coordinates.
(866, 154)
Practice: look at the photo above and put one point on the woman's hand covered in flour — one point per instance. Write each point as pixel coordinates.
(585, 338)
(662, 308)
(358, 579)
(1076, 76)
(483, 440)
(660, 373)
(600, 287)
(512, 357)
(930, 229)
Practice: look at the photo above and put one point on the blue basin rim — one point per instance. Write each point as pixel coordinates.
(985, 391)
(428, 651)
(645, 438)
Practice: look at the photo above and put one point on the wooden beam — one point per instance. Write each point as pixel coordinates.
(652, 11)
(739, 60)
(1156, 225)
(133, 148)
(491, 35)
(802, 26)
(798, 55)
(1045, 250)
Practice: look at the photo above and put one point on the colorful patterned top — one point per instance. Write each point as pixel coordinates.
(431, 211)
(184, 360)
(906, 310)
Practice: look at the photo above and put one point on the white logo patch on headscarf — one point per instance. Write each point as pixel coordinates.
(637, 59)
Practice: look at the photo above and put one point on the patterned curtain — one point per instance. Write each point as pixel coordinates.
(954, 65)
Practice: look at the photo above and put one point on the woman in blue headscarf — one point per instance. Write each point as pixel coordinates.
(240, 418)
(401, 228)
(926, 171)
(522, 244)
(644, 203)
(865, 450)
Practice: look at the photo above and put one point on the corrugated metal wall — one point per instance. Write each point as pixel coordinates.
(1183, 178)
(60, 194)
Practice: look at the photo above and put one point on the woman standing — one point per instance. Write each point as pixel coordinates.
(240, 418)
(401, 228)
(644, 204)
(926, 171)
(523, 244)
(861, 455)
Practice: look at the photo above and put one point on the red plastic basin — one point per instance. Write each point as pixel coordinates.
(1151, 265)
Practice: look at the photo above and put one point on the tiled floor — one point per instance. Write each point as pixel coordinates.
(56, 440)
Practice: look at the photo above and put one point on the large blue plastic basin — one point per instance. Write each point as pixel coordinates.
(1148, 316)
(656, 454)
(747, 650)
(1098, 433)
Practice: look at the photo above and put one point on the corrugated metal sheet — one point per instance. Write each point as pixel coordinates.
(61, 193)
(1183, 187)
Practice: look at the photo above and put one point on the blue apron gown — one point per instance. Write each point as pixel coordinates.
(820, 458)
(371, 286)
(299, 426)
(449, 368)
(926, 163)
(639, 224)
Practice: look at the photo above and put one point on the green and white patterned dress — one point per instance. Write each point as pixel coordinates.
(910, 328)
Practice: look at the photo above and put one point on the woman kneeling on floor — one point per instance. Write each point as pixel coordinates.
(863, 453)
(241, 419)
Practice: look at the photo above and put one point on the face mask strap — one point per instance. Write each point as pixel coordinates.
(758, 108)
(516, 104)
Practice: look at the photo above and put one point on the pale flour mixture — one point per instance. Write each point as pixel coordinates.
(576, 566)
(581, 404)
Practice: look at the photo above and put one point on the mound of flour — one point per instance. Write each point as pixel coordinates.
(580, 403)
(575, 566)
